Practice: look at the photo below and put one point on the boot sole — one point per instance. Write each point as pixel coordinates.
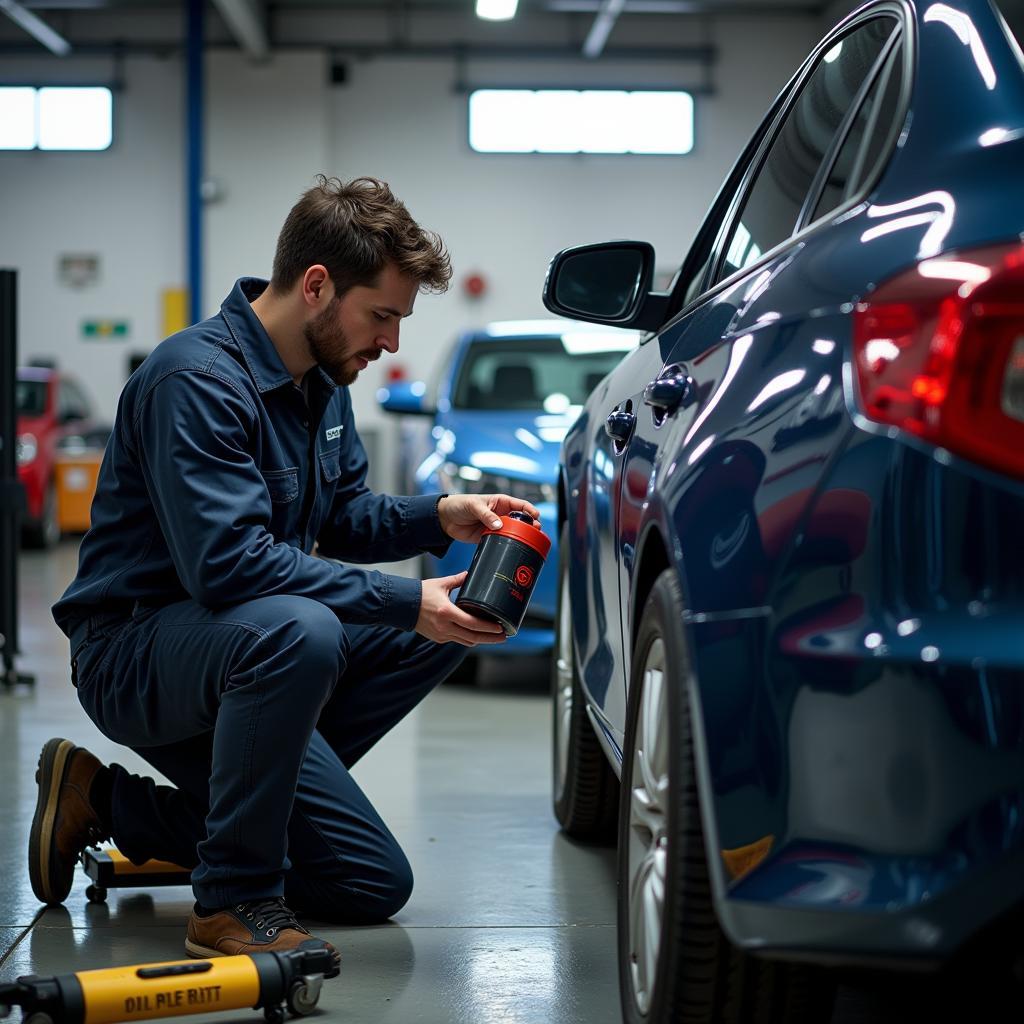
(200, 952)
(52, 762)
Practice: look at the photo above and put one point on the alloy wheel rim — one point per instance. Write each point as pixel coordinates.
(647, 839)
(563, 688)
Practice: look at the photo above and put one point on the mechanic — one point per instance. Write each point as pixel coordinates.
(208, 638)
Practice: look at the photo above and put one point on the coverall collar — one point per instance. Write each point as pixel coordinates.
(261, 357)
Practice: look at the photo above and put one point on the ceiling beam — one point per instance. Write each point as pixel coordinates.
(631, 7)
(604, 22)
(36, 27)
(247, 22)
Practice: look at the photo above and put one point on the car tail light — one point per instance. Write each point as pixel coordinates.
(939, 351)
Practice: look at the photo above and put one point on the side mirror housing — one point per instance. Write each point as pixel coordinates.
(606, 283)
(405, 398)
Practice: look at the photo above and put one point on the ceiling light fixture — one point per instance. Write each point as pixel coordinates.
(496, 10)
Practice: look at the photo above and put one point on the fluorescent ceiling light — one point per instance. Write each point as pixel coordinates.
(18, 128)
(580, 121)
(496, 10)
(72, 118)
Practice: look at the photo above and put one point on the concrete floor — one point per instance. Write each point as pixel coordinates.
(509, 922)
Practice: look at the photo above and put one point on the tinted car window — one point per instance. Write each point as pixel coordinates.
(72, 402)
(1011, 14)
(30, 397)
(875, 120)
(770, 211)
(522, 373)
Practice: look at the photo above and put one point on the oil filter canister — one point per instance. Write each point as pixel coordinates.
(504, 571)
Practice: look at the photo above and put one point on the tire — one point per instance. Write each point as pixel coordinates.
(675, 963)
(585, 791)
(466, 673)
(45, 533)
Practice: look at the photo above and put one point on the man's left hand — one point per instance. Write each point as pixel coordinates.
(465, 516)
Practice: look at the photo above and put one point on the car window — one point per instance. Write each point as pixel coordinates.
(530, 373)
(30, 397)
(72, 401)
(1011, 17)
(874, 121)
(771, 210)
(690, 281)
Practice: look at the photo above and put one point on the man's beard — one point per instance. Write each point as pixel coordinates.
(329, 346)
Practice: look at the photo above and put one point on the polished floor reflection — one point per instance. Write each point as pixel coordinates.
(508, 921)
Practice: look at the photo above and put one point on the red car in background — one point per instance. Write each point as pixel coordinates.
(54, 414)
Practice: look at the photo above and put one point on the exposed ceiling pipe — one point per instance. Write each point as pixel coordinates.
(247, 22)
(36, 27)
(602, 27)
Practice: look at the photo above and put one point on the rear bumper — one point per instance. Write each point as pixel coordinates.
(922, 936)
(33, 479)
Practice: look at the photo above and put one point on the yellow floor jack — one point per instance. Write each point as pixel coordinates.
(111, 869)
(267, 981)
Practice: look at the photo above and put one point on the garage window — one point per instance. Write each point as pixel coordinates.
(580, 121)
(56, 118)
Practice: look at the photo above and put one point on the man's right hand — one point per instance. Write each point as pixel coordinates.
(441, 620)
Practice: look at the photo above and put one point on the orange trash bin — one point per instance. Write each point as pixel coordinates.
(76, 475)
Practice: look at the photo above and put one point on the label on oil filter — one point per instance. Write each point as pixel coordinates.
(501, 581)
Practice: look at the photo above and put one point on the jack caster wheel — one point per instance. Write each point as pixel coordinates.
(303, 995)
(96, 894)
(273, 1014)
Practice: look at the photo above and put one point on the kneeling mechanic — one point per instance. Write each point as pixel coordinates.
(204, 634)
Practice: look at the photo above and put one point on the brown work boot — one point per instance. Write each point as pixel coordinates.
(259, 926)
(65, 821)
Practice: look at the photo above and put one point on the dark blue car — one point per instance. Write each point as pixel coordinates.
(791, 627)
(493, 421)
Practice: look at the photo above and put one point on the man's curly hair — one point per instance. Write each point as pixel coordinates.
(354, 228)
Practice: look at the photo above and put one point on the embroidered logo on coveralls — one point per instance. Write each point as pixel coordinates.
(333, 433)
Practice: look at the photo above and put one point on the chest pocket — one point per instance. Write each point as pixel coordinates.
(330, 467)
(282, 484)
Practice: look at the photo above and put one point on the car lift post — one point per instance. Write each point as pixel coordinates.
(11, 494)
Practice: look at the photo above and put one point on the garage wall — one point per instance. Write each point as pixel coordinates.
(272, 127)
(124, 205)
(505, 215)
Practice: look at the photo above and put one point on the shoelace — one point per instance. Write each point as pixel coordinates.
(271, 914)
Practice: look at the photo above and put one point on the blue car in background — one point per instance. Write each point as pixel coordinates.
(501, 405)
(789, 674)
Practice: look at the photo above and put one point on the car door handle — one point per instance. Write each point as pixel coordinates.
(619, 425)
(673, 387)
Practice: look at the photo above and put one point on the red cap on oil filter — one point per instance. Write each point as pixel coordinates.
(505, 568)
(523, 527)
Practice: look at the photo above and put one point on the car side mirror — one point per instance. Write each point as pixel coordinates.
(607, 283)
(405, 398)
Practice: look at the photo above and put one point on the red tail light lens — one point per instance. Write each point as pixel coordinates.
(939, 351)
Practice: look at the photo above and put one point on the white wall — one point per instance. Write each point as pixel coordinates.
(272, 127)
(124, 204)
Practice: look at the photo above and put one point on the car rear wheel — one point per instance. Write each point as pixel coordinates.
(675, 963)
(584, 787)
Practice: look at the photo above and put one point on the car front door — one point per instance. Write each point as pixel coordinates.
(723, 363)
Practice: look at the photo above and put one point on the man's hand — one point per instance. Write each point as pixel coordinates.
(466, 516)
(441, 620)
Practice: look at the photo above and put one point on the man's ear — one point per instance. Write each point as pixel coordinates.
(317, 287)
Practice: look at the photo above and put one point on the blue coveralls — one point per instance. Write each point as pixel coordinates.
(206, 638)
